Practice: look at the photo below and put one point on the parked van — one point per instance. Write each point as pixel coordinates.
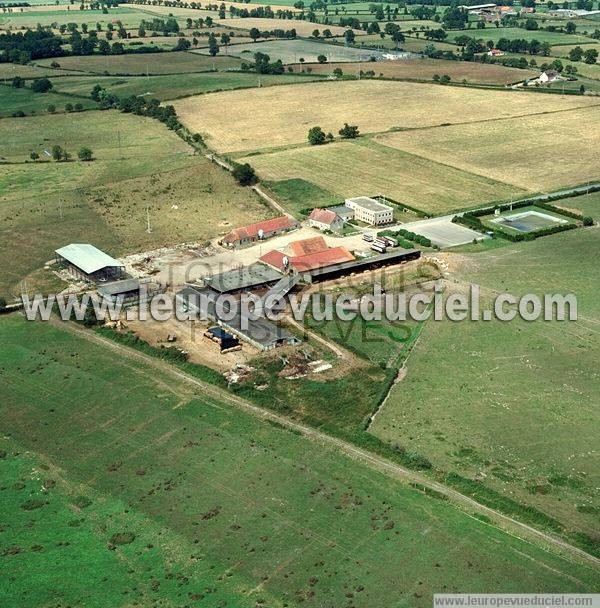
(368, 238)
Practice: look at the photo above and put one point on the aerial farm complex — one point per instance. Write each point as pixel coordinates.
(298, 303)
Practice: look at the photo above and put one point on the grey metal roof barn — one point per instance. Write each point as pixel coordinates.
(243, 278)
(87, 258)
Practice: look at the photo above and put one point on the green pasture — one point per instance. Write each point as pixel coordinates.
(515, 33)
(513, 403)
(123, 485)
(130, 17)
(298, 194)
(174, 86)
(25, 100)
(146, 63)
(139, 164)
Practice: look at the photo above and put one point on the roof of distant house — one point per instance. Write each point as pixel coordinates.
(87, 257)
(324, 216)
(306, 246)
(247, 232)
(550, 73)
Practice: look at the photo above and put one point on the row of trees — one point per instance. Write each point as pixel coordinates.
(317, 137)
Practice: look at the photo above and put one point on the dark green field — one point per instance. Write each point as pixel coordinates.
(25, 100)
(123, 485)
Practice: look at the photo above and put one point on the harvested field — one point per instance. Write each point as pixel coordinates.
(365, 167)
(153, 63)
(489, 149)
(303, 28)
(283, 115)
(425, 69)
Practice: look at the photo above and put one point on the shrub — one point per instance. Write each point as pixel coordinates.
(41, 85)
(588, 221)
(244, 174)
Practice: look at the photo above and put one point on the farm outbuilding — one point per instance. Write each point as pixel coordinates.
(89, 263)
(246, 235)
(127, 290)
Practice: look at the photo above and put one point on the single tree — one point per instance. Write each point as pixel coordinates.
(213, 47)
(85, 154)
(322, 59)
(316, 136)
(244, 174)
(254, 34)
(34, 156)
(349, 131)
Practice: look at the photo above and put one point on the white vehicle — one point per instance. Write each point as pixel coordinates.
(368, 238)
(378, 248)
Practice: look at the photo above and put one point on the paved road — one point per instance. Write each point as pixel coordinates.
(370, 459)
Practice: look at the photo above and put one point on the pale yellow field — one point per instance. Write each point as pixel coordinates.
(368, 168)
(303, 28)
(542, 152)
(179, 11)
(278, 116)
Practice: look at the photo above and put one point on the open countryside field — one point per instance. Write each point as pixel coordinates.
(153, 63)
(513, 404)
(563, 51)
(425, 69)
(139, 165)
(517, 33)
(364, 167)
(281, 116)
(130, 17)
(9, 70)
(303, 28)
(291, 51)
(174, 86)
(488, 148)
(273, 518)
(25, 100)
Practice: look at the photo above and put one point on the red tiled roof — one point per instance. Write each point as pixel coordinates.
(273, 258)
(277, 223)
(335, 255)
(306, 246)
(324, 216)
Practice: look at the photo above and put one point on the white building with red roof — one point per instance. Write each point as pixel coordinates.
(239, 237)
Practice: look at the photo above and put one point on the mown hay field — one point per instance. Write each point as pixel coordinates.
(542, 152)
(283, 116)
(472, 72)
(46, 205)
(199, 499)
(152, 63)
(303, 28)
(513, 403)
(367, 168)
